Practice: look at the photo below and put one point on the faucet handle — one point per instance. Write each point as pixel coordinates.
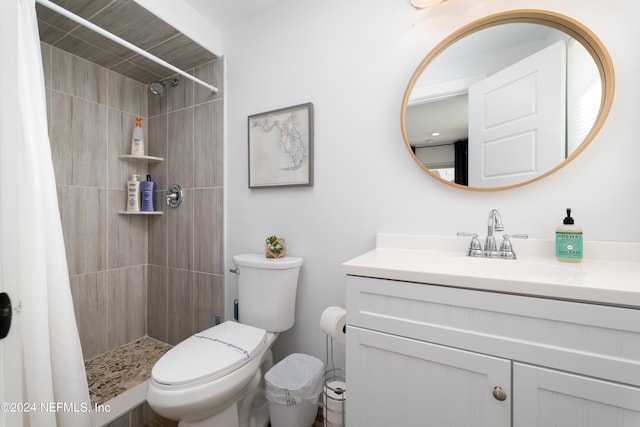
(506, 248)
(518, 236)
(466, 234)
(475, 248)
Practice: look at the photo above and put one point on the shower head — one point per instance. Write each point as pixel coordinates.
(159, 87)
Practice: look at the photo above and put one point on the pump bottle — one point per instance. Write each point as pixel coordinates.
(569, 240)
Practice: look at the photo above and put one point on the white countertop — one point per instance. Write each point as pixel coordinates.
(608, 274)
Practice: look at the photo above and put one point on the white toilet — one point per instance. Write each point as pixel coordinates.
(215, 377)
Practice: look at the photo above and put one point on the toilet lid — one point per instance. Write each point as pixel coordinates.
(210, 354)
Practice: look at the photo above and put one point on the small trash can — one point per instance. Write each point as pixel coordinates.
(292, 388)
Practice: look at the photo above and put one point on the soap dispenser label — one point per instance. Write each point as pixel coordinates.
(569, 245)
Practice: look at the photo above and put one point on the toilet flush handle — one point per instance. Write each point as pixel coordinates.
(235, 270)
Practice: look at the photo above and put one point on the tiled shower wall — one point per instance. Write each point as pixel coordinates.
(91, 112)
(131, 274)
(186, 257)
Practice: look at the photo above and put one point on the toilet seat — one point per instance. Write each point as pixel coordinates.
(210, 354)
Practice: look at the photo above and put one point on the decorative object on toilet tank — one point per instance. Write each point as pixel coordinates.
(276, 247)
(281, 147)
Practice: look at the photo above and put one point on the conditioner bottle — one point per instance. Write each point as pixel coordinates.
(148, 189)
(569, 240)
(133, 194)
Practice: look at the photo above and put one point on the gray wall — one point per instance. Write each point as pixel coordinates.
(130, 274)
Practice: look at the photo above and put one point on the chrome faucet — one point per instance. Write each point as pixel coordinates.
(494, 223)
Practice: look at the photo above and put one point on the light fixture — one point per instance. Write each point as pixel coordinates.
(435, 134)
(421, 4)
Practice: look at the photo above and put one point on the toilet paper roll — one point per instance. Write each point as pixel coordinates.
(333, 418)
(335, 396)
(333, 323)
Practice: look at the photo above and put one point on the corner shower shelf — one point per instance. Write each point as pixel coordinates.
(142, 159)
(140, 213)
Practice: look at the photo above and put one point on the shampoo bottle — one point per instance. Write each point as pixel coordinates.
(137, 139)
(133, 194)
(148, 195)
(569, 240)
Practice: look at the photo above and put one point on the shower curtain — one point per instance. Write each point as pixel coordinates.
(54, 379)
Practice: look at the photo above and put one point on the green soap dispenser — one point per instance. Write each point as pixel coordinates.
(569, 240)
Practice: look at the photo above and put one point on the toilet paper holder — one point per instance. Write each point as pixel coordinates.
(334, 390)
(334, 398)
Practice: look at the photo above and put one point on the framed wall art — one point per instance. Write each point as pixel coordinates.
(281, 147)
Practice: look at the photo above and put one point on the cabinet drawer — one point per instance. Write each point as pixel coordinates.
(595, 340)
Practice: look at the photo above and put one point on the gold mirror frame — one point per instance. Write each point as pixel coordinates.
(551, 19)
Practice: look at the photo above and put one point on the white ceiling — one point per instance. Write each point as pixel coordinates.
(226, 13)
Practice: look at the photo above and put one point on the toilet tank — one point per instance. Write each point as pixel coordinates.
(267, 290)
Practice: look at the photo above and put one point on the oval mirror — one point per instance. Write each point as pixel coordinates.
(507, 100)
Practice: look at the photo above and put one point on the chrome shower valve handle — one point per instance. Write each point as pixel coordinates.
(175, 196)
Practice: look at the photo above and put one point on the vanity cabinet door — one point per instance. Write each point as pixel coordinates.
(397, 381)
(548, 398)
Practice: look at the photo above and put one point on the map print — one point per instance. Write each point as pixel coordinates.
(290, 138)
(279, 146)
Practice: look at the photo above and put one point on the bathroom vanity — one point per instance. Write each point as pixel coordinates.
(437, 338)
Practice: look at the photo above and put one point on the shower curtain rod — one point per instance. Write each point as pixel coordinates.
(113, 37)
